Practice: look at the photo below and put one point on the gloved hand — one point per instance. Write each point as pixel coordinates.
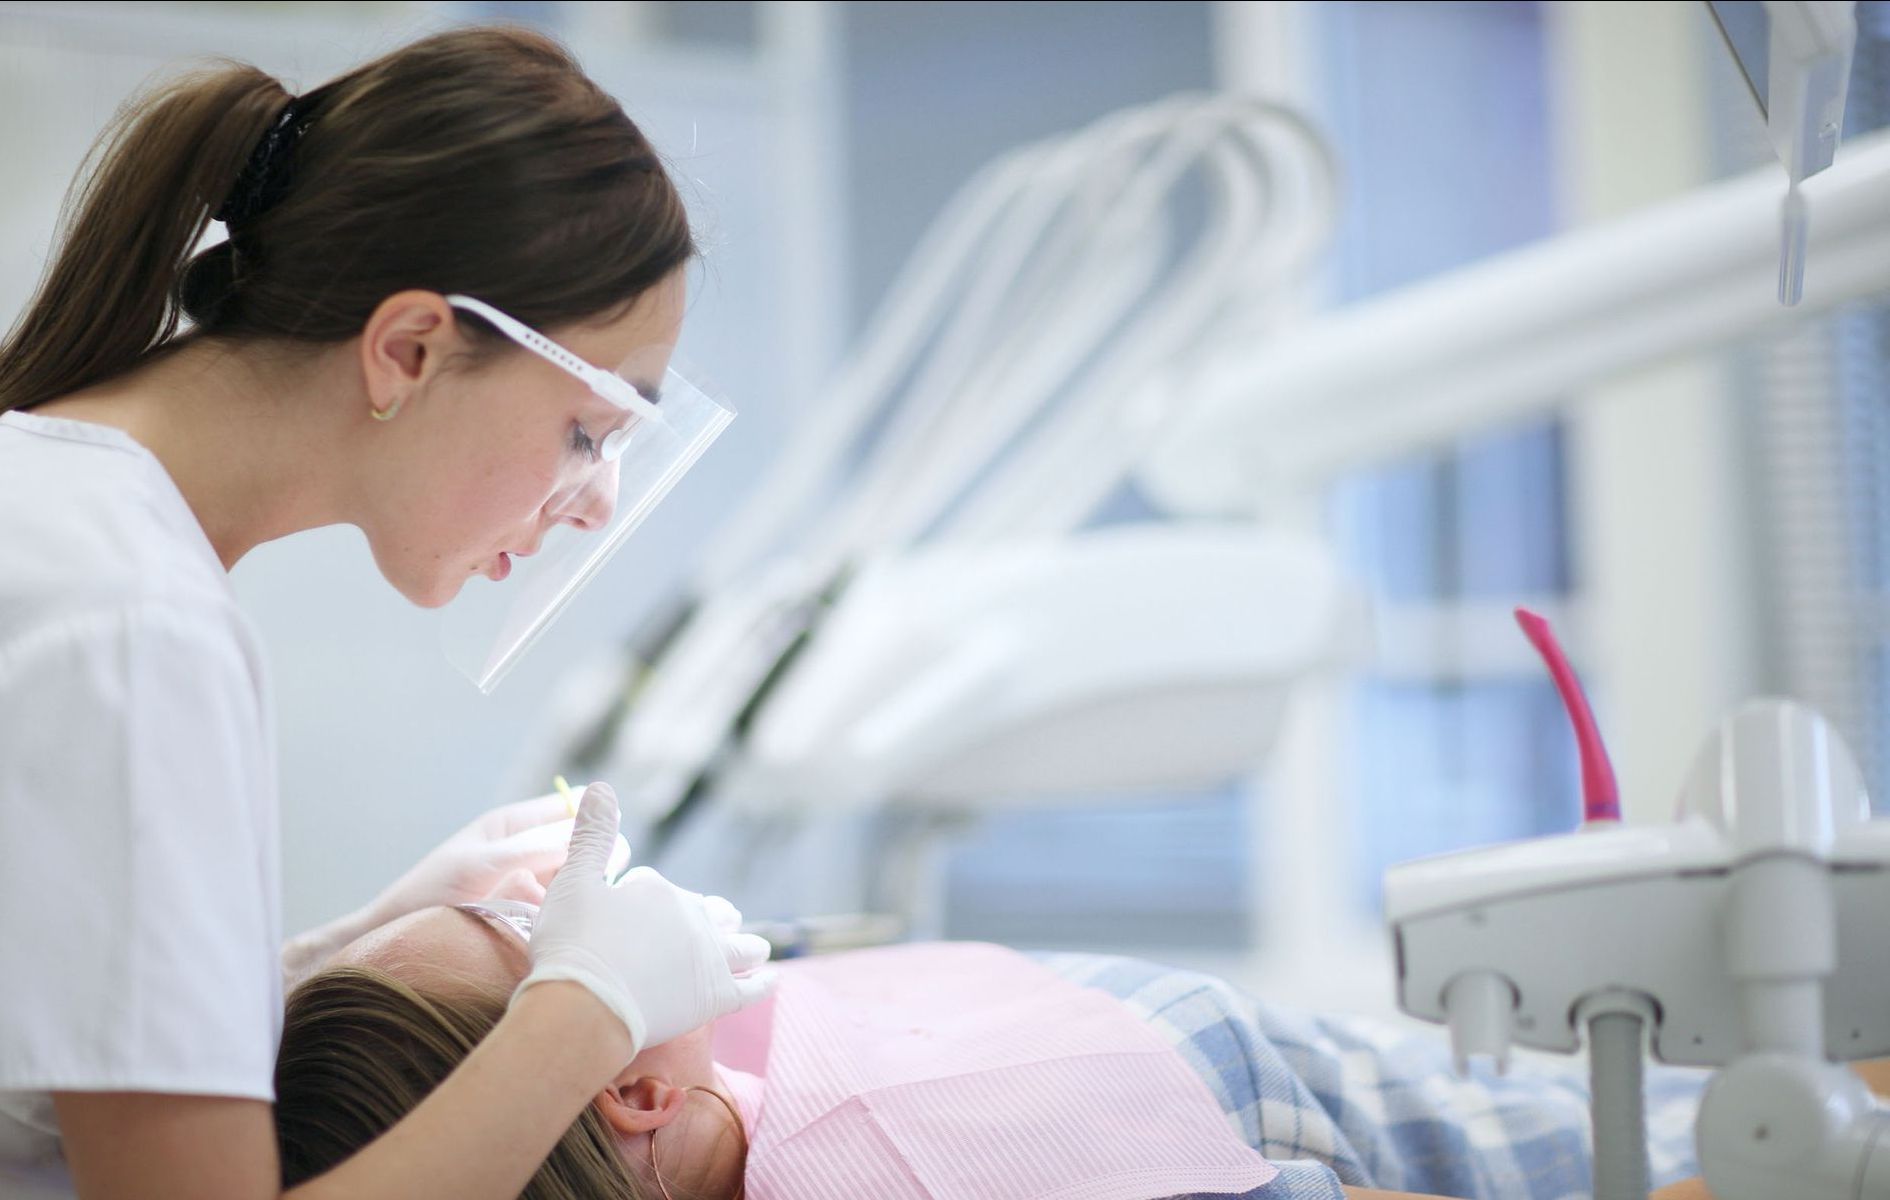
(530, 834)
(663, 959)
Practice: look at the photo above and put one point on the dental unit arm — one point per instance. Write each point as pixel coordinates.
(841, 643)
(1749, 935)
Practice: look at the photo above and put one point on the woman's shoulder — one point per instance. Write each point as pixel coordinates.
(92, 527)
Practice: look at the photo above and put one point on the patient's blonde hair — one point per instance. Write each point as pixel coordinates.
(360, 1050)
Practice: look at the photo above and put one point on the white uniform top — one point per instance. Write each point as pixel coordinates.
(140, 926)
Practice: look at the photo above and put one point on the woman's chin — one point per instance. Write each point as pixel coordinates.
(436, 596)
(434, 592)
(423, 584)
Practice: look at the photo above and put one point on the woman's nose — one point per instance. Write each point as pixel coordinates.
(590, 506)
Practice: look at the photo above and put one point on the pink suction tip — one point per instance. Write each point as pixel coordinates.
(1601, 796)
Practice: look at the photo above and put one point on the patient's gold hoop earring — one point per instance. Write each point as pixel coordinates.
(393, 408)
(741, 1131)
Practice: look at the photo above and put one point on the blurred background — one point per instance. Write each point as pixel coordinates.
(1701, 530)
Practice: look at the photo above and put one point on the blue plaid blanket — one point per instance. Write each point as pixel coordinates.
(1334, 1101)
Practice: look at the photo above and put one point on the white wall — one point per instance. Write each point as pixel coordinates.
(384, 748)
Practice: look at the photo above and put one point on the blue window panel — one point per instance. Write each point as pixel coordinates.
(1511, 528)
(1389, 523)
(1163, 872)
(1485, 521)
(1862, 334)
(1861, 338)
(1452, 767)
(1440, 112)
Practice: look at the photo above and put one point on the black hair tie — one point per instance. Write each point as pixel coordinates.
(266, 176)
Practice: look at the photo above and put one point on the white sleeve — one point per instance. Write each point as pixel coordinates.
(139, 908)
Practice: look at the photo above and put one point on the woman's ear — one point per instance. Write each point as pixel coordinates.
(402, 343)
(642, 1104)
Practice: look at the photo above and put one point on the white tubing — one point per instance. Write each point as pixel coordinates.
(1043, 289)
(1125, 398)
(1220, 138)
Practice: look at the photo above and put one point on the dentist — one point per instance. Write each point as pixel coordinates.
(444, 314)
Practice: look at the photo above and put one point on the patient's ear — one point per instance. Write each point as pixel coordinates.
(642, 1104)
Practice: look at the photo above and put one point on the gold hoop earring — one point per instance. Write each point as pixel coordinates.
(741, 1131)
(392, 409)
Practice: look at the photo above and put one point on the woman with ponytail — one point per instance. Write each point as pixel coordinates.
(452, 281)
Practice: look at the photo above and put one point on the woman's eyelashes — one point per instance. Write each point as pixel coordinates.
(581, 442)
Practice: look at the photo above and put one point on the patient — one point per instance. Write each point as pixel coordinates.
(951, 1071)
(365, 1040)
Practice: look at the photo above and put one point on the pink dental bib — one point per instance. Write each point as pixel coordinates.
(967, 1072)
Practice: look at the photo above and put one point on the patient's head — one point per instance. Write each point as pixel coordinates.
(367, 1040)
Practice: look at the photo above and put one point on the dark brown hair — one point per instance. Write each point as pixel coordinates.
(360, 1050)
(480, 160)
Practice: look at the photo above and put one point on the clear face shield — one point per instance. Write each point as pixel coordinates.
(492, 622)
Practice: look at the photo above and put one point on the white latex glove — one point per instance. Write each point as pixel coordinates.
(531, 834)
(663, 959)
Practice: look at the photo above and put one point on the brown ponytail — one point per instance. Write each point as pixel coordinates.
(480, 160)
(109, 295)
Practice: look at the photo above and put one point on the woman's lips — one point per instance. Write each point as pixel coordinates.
(500, 568)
